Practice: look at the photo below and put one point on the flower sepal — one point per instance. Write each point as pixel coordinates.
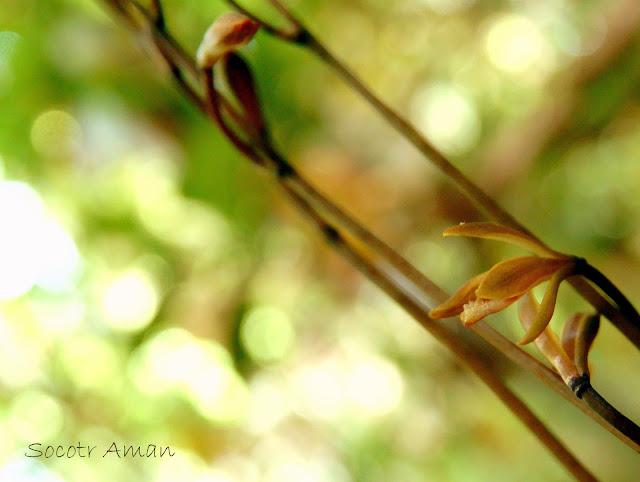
(509, 280)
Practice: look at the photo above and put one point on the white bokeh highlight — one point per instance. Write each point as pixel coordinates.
(34, 248)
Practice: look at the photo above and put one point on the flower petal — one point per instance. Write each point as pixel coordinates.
(454, 305)
(513, 277)
(500, 233)
(547, 342)
(570, 332)
(578, 335)
(477, 309)
(229, 31)
(545, 312)
(586, 337)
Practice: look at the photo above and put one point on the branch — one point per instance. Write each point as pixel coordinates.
(371, 268)
(381, 263)
(474, 193)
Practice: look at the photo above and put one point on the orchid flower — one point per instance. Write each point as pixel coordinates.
(509, 280)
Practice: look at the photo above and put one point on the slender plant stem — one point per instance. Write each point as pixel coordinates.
(367, 265)
(413, 284)
(601, 412)
(416, 285)
(608, 288)
(299, 190)
(267, 27)
(473, 192)
(470, 189)
(612, 416)
(628, 327)
(285, 11)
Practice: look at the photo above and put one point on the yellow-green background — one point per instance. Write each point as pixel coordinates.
(156, 289)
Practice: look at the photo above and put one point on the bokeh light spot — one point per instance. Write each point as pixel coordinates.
(131, 301)
(174, 360)
(267, 334)
(219, 394)
(448, 116)
(269, 404)
(21, 355)
(56, 133)
(59, 258)
(18, 469)
(514, 43)
(35, 415)
(185, 465)
(91, 362)
(376, 386)
(33, 247)
(185, 223)
(290, 472)
(59, 316)
(156, 366)
(322, 391)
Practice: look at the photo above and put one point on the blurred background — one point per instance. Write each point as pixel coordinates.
(156, 289)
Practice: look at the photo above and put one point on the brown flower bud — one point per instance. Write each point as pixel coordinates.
(578, 335)
(241, 83)
(230, 31)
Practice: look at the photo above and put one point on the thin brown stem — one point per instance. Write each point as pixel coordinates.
(366, 263)
(602, 413)
(418, 285)
(267, 27)
(409, 283)
(473, 192)
(426, 294)
(286, 13)
(608, 288)
(213, 110)
(612, 416)
(468, 187)
(176, 58)
(156, 9)
(292, 183)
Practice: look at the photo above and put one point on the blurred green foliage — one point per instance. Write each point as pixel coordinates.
(155, 288)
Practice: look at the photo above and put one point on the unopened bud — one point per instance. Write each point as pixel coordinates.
(230, 31)
(578, 335)
(241, 82)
